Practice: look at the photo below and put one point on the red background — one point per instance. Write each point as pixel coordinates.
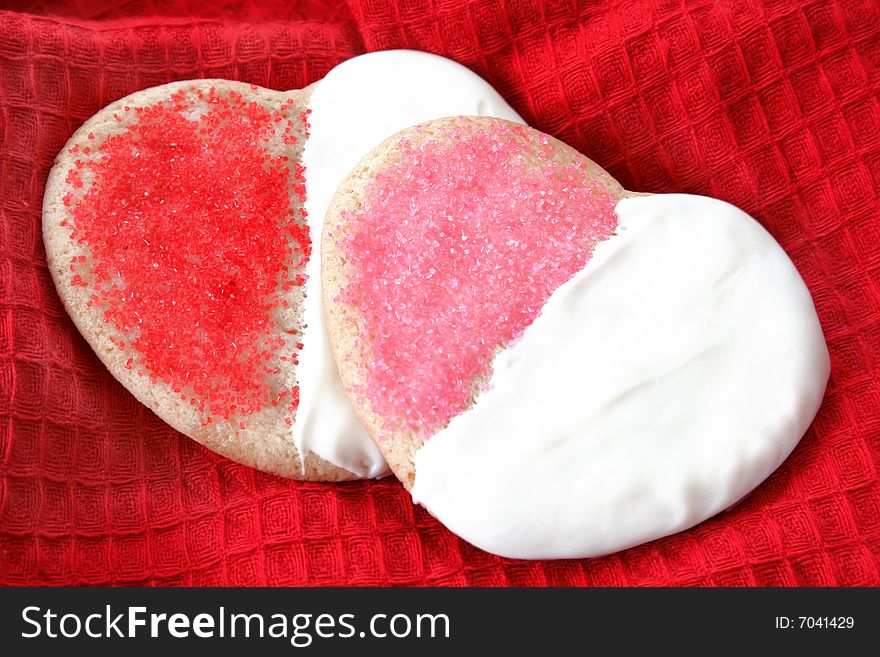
(771, 106)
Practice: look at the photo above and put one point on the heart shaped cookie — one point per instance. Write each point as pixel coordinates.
(181, 226)
(556, 367)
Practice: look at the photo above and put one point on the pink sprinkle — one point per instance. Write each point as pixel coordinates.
(456, 250)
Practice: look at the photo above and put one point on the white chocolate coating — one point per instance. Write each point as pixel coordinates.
(658, 387)
(355, 107)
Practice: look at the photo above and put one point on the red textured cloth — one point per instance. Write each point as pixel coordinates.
(771, 106)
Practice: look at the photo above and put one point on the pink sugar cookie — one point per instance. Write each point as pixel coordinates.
(553, 366)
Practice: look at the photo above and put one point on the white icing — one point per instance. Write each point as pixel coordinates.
(658, 387)
(355, 107)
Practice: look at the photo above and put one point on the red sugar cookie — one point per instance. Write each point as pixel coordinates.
(176, 235)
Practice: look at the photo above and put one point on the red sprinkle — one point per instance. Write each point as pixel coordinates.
(188, 219)
(456, 250)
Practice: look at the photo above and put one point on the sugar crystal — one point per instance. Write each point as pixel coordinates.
(193, 224)
(455, 251)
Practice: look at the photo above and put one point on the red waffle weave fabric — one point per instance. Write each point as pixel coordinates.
(771, 106)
